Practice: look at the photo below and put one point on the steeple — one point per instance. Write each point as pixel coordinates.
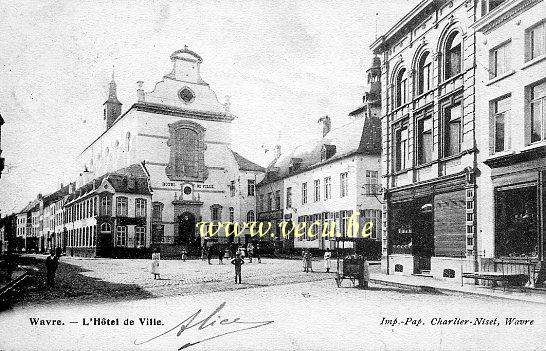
(112, 106)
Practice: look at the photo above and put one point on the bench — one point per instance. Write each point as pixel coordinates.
(494, 277)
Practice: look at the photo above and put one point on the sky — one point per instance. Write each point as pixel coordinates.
(284, 64)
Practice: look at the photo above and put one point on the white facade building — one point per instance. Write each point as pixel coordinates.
(183, 136)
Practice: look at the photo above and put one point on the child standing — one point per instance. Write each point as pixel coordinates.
(238, 262)
(155, 263)
(327, 257)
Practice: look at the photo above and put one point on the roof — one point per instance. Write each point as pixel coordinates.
(245, 164)
(183, 53)
(129, 180)
(57, 195)
(30, 206)
(361, 135)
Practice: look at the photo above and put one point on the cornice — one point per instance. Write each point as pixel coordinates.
(503, 14)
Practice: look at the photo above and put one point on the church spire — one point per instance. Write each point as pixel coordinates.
(112, 106)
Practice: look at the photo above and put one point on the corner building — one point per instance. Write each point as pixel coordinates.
(181, 133)
(428, 136)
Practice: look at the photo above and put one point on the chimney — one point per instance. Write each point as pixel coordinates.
(140, 91)
(277, 151)
(326, 124)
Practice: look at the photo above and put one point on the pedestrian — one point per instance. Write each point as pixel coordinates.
(184, 255)
(52, 262)
(250, 251)
(327, 257)
(258, 253)
(155, 263)
(221, 254)
(365, 275)
(238, 262)
(304, 259)
(308, 262)
(203, 252)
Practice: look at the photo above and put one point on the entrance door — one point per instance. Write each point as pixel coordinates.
(186, 232)
(423, 234)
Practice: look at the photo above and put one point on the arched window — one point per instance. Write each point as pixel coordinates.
(401, 88)
(453, 55)
(105, 227)
(250, 216)
(424, 73)
(187, 160)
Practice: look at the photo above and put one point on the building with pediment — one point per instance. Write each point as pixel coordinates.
(181, 135)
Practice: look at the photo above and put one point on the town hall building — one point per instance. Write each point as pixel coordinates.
(180, 134)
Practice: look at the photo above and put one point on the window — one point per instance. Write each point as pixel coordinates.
(187, 153)
(452, 126)
(424, 73)
(343, 184)
(501, 111)
(140, 208)
(401, 148)
(232, 188)
(371, 184)
(453, 50)
(278, 200)
(538, 115)
(121, 206)
(499, 60)
(490, 5)
(401, 88)
(317, 190)
(105, 227)
(424, 139)
(231, 214)
(289, 197)
(106, 206)
(261, 203)
(121, 235)
(157, 211)
(251, 187)
(536, 41)
(269, 201)
(304, 193)
(216, 212)
(344, 217)
(327, 188)
(140, 236)
(250, 216)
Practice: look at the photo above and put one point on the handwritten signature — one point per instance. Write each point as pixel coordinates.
(189, 323)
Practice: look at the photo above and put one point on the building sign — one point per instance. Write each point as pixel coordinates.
(270, 215)
(204, 186)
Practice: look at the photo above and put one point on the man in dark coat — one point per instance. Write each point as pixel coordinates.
(237, 262)
(52, 262)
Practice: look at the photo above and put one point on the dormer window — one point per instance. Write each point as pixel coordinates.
(327, 152)
(295, 165)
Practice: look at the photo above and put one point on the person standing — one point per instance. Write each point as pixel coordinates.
(250, 251)
(52, 262)
(304, 260)
(308, 262)
(258, 253)
(155, 263)
(327, 257)
(221, 253)
(203, 251)
(238, 262)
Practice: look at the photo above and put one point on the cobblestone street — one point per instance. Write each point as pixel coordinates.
(105, 279)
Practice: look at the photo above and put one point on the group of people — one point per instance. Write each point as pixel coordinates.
(236, 253)
(308, 260)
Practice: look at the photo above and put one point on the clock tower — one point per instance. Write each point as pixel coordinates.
(112, 106)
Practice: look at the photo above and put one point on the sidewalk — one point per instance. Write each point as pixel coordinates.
(454, 287)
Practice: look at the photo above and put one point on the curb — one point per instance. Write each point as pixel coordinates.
(13, 283)
(431, 289)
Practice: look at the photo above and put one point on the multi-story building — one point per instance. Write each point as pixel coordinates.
(269, 202)
(329, 180)
(110, 215)
(511, 124)
(183, 135)
(8, 228)
(429, 149)
(53, 229)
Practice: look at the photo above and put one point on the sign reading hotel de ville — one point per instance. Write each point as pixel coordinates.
(294, 175)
